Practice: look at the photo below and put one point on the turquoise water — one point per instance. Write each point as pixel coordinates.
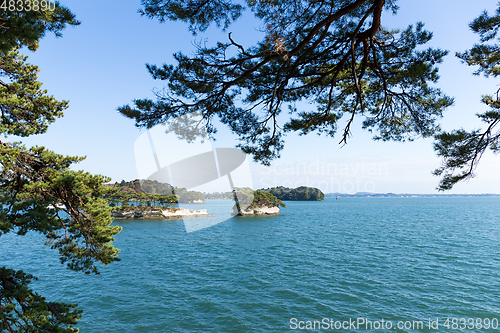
(397, 259)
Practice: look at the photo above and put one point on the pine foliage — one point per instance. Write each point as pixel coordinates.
(333, 55)
(39, 192)
(462, 149)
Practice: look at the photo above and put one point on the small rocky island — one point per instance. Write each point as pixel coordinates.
(167, 213)
(146, 199)
(250, 202)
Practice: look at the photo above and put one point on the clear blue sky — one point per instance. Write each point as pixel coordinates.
(100, 65)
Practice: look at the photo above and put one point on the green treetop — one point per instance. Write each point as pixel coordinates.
(39, 191)
(26, 28)
(334, 55)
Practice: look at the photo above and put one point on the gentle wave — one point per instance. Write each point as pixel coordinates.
(380, 258)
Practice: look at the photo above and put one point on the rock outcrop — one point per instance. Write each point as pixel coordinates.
(172, 213)
(256, 211)
(169, 213)
(137, 214)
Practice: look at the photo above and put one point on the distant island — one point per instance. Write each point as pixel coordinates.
(302, 193)
(407, 195)
(149, 190)
(218, 195)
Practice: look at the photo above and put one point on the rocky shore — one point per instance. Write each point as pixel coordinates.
(256, 211)
(169, 213)
(173, 213)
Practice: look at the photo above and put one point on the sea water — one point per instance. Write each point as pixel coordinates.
(350, 265)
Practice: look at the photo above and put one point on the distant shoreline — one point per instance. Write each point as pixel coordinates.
(409, 195)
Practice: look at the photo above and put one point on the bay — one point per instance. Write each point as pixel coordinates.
(397, 259)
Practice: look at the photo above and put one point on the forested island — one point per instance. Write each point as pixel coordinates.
(147, 199)
(258, 202)
(153, 192)
(132, 201)
(302, 193)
